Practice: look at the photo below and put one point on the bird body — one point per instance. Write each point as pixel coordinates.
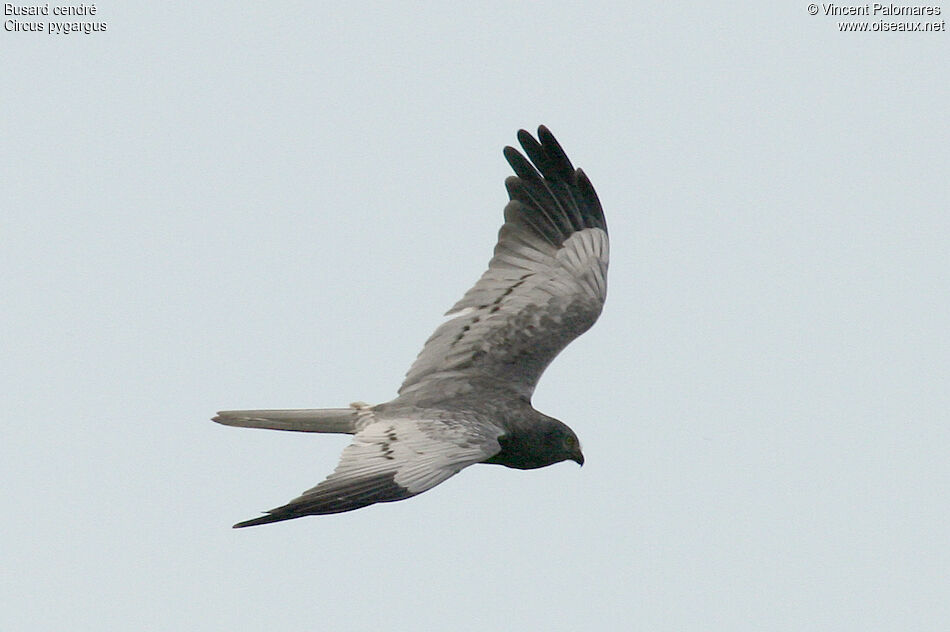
(466, 398)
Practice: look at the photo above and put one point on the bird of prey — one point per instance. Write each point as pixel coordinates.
(467, 397)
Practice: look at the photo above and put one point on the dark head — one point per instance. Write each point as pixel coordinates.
(568, 443)
(545, 441)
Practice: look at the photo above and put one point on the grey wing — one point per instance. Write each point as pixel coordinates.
(391, 460)
(544, 287)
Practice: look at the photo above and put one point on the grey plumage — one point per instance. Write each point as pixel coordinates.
(327, 420)
(466, 398)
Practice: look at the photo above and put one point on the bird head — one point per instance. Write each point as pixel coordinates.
(572, 446)
(568, 445)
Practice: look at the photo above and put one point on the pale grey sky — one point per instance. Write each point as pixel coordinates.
(218, 205)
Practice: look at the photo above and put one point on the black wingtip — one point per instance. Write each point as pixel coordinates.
(548, 195)
(274, 515)
(524, 136)
(251, 523)
(546, 138)
(520, 165)
(547, 155)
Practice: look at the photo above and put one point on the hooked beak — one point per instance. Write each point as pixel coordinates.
(578, 458)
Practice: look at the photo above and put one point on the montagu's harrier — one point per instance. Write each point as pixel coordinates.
(467, 397)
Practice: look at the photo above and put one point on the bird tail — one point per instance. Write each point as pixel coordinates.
(330, 420)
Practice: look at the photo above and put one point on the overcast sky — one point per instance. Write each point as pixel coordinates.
(256, 205)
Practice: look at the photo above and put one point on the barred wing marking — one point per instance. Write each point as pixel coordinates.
(545, 285)
(391, 460)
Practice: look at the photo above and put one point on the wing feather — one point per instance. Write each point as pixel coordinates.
(545, 285)
(390, 460)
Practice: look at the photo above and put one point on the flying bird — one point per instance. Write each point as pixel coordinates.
(467, 397)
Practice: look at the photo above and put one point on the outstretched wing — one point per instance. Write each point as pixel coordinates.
(391, 460)
(545, 285)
